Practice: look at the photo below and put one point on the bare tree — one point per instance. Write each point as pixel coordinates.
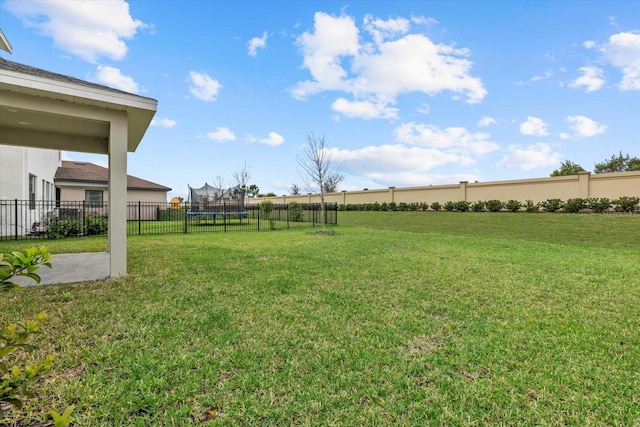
(218, 182)
(241, 176)
(317, 171)
(331, 186)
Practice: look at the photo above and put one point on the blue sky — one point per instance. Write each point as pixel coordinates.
(406, 93)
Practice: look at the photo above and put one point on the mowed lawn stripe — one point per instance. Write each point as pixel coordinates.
(421, 324)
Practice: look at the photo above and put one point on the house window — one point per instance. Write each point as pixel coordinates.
(32, 191)
(93, 197)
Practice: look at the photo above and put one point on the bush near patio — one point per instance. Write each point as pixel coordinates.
(17, 374)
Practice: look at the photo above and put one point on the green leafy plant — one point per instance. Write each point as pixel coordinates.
(477, 206)
(16, 374)
(22, 263)
(599, 204)
(575, 205)
(552, 205)
(64, 419)
(462, 206)
(436, 206)
(64, 227)
(266, 209)
(95, 225)
(296, 213)
(513, 205)
(626, 204)
(449, 206)
(494, 205)
(531, 207)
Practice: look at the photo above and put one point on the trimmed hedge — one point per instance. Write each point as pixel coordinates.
(597, 205)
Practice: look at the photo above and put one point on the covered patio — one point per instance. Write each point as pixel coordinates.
(42, 109)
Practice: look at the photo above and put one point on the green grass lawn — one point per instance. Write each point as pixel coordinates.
(400, 318)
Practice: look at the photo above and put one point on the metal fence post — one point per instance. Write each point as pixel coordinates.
(224, 216)
(15, 226)
(185, 217)
(139, 216)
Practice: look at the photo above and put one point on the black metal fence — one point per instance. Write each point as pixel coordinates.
(23, 219)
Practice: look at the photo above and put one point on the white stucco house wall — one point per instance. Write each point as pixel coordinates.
(28, 173)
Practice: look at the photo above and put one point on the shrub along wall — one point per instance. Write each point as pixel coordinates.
(600, 205)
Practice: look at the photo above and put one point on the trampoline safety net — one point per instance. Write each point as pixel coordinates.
(208, 197)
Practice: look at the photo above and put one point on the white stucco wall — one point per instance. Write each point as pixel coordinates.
(16, 163)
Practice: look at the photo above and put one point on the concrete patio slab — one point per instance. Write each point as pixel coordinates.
(71, 268)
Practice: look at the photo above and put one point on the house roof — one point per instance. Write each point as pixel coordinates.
(4, 42)
(84, 172)
(90, 133)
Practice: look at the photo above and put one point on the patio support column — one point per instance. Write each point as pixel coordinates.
(118, 196)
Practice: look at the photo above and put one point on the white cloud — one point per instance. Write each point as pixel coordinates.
(89, 30)
(273, 139)
(486, 121)
(382, 30)
(423, 108)
(424, 20)
(364, 109)
(538, 77)
(203, 87)
(114, 78)
(534, 126)
(376, 72)
(623, 51)
(256, 43)
(165, 123)
(399, 164)
(383, 159)
(452, 139)
(589, 44)
(221, 134)
(584, 126)
(591, 79)
(531, 157)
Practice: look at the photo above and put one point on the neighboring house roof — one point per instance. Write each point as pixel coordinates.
(4, 42)
(80, 172)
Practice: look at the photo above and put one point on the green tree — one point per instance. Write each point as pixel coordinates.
(294, 190)
(568, 168)
(253, 190)
(618, 163)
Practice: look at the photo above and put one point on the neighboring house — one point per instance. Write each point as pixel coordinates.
(77, 181)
